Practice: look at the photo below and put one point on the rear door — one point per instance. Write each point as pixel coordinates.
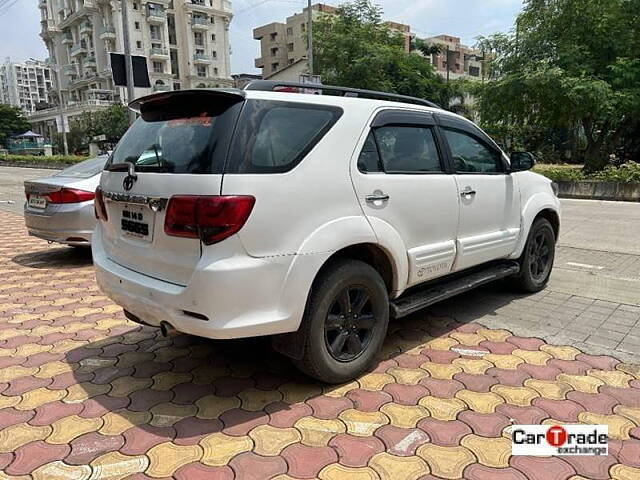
(177, 147)
(401, 180)
(489, 199)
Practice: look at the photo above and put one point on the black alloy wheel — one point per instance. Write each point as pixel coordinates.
(539, 256)
(349, 324)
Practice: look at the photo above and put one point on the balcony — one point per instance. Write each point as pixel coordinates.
(161, 88)
(221, 7)
(79, 49)
(49, 28)
(156, 15)
(71, 69)
(90, 62)
(108, 32)
(86, 27)
(201, 58)
(158, 53)
(67, 39)
(200, 23)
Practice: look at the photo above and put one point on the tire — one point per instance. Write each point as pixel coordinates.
(537, 258)
(327, 323)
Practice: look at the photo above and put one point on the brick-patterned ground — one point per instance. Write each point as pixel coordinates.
(86, 394)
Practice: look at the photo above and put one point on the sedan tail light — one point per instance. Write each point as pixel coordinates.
(99, 207)
(209, 218)
(69, 195)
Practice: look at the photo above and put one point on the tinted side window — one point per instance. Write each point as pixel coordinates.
(470, 155)
(408, 149)
(369, 160)
(273, 137)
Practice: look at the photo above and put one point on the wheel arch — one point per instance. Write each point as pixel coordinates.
(540, 205)
(553, 218)
(371, 254)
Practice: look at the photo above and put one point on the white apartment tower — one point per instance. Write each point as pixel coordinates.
(186, 43)
(25, 85)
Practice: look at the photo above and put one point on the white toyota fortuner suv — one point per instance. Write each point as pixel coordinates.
(311, 218)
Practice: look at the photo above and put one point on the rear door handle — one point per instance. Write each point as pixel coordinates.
(467, 191)
(381, 197)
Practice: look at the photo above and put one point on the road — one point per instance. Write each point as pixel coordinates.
(11, 188)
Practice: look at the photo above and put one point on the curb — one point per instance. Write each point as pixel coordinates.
(594, 190)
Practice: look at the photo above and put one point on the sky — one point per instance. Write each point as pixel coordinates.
(20, 23)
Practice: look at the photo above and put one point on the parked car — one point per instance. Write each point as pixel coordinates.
(311, 218)
(59, 208)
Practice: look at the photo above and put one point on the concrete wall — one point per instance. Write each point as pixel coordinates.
(628, 192)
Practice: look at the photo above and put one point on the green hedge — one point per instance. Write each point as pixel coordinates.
(41, 160)
(627, 173)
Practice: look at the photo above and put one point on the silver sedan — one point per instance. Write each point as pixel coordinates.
(59, 208)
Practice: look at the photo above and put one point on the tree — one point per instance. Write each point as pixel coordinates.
(354, 48)
(112, 122)
(12, 122)
(572, 66)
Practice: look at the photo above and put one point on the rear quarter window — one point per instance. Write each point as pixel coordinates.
(274, 137)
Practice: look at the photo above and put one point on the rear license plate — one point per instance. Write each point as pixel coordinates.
(137, 222)
(36, 201)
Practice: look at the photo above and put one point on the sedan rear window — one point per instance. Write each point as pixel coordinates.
(86, 169)
(273, 137)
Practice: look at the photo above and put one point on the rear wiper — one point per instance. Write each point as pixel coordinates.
(127, 166)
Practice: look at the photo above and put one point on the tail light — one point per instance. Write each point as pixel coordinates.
(209, 218)
(99, 207)
(69, 195)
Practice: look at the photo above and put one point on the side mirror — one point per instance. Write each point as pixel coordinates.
(521, 161)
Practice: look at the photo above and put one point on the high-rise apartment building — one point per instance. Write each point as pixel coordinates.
(283, 44)
(186, 43)
(25, 85)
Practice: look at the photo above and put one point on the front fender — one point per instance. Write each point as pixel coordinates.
(535, 204)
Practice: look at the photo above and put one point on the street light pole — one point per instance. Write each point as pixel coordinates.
(56, 69)
(61, 112)
(127, 58)
(310, 36)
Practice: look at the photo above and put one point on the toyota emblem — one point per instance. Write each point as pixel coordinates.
(128, 182)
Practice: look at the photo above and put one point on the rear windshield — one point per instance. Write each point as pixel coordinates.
(269, 137)
(86, 169)
(192, 137)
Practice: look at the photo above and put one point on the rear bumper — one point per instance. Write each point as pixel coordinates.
(240, 296)
(69, 224)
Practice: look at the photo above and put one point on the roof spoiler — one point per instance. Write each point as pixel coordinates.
(139, 104)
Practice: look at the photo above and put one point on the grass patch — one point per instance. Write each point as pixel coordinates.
(41, 160)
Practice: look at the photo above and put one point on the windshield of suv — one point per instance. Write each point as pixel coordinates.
(85, 169)
(189, 138)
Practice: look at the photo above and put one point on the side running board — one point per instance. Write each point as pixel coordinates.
(413, 302)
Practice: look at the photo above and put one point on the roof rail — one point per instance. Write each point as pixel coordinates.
(271, 85)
